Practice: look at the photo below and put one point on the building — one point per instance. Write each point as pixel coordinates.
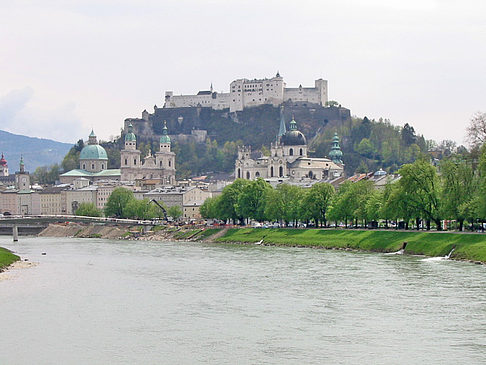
(93, 164)
(189, 199)
(160, 167)
(246, 93)
(288, 159)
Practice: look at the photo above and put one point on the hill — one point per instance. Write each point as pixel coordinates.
(36, 151)
(367, 144)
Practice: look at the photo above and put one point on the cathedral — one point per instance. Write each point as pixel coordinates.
(288, 159)
(160, 167)
(93, 162)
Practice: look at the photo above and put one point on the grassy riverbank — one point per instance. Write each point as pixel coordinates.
(6, 258)
(467, 246)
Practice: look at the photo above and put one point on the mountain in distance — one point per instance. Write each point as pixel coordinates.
(36, 151)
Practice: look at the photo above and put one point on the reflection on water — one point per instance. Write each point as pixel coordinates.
(101, 302)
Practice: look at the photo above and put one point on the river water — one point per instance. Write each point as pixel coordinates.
(132, 302)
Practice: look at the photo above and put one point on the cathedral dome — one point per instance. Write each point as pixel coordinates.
(93, 152)
(293, 137)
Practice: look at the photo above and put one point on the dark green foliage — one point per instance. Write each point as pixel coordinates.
(88, 210)
(117, 203)
(45, 175)
(368, 145)
(175, 212)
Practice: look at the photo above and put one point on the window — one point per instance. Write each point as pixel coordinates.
(126, 162)
(257, 174)
(169, 163)
(92, 166)
(239, 173)
(248, 175)
(300, 152)
(291, 152)
(280, 171)
(134, 161)
(84, 166)
(102, 166)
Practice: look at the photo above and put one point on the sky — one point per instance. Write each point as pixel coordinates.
(69, 66)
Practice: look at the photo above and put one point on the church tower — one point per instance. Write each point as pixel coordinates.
(130, 157)
(336, 155)
(165, 158)
(3, 166)
(22, 177)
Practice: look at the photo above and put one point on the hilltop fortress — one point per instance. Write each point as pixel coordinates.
(246, 93)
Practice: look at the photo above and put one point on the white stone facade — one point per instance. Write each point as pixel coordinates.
(246, 93)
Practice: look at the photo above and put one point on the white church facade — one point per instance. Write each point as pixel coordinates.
(288, 159)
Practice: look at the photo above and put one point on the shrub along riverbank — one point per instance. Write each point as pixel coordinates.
(467, 246)
(6, 258)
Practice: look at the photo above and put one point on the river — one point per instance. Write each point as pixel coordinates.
(133, 302)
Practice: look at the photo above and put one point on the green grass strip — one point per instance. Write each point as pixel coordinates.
(467, 246)
(6, 258)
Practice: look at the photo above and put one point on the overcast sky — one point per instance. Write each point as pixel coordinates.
(68, 66)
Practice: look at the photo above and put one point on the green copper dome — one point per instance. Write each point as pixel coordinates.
(165, 137)
(93, 152)
(130, 136)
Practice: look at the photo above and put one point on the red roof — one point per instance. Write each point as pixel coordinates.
(3, 162)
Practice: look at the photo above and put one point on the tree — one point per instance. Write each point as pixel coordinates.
(476, 131)
(44, 175)
(251, 201)
(408, 135)
(366, 148)
(208, 209)
(421, 187)
(227, 205)
(283, 203)
(459, 185)
(175, 212)
(88, 210)
(117, 202)
(140, 209)
(316, 202)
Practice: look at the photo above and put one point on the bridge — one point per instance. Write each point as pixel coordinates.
(34, 224)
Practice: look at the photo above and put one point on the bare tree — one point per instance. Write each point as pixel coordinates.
(476, 131)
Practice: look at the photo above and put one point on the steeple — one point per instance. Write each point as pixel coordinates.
(22, 166)
(164, 139)
(293, 124)
(336, 154)
(282, 130)
(92, 138)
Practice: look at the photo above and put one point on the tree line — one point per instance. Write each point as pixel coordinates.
(423, 197)
(123, 204)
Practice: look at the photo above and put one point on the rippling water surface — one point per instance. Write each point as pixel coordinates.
(119, 302)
